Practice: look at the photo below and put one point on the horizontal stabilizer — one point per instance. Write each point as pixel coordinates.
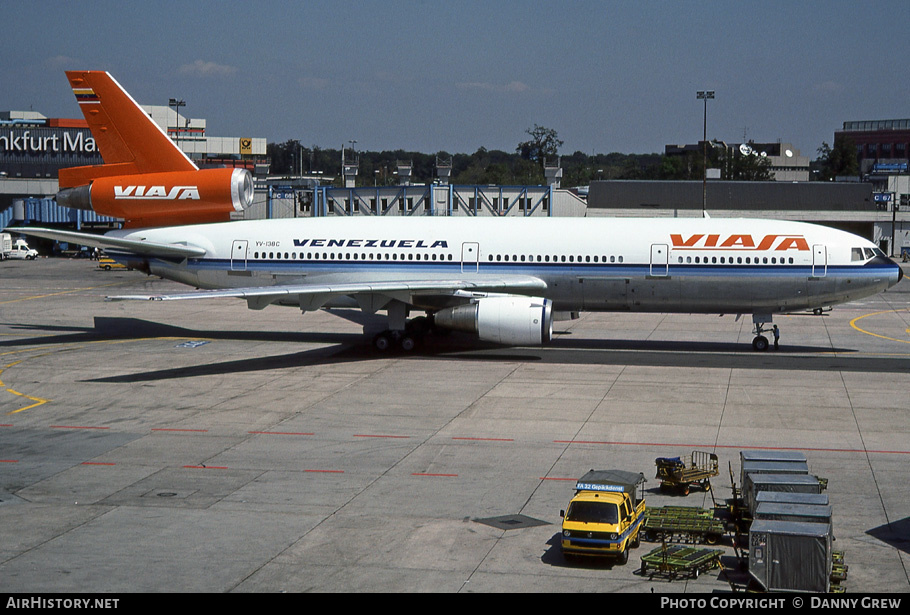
(105, 242)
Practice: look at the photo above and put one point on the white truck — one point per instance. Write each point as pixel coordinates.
(15, 248)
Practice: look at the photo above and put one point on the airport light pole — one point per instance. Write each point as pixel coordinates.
(173, 102)
(353, 142)
(343, 161)
(705, 95)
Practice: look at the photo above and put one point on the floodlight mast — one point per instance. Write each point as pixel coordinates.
(705, 95)
(176, 104)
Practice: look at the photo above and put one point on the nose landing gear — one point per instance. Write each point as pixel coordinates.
(760, 342)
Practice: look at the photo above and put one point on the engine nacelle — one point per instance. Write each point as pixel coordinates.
(165, 199)
(509, 319)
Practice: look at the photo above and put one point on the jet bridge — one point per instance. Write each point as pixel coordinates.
(435, 200)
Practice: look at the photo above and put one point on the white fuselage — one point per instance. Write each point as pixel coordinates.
(696, 265)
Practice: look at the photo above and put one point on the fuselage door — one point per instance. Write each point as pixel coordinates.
(819, 261)
(238, 255)
(470, 257)
(659, 259)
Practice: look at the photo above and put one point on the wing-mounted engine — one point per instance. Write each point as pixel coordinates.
(506, 319)
(165, 199)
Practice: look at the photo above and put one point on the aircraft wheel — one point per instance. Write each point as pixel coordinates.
(760, 343)
(407, 343)
(382, 342)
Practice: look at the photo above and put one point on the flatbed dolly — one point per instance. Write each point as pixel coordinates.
(679, 561)
(682, 524)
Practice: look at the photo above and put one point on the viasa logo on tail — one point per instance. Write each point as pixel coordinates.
(156, 192)
(700, 241)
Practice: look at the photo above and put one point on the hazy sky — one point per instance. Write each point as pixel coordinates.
(458, 75)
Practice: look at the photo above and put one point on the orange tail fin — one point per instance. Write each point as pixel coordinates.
(145, 178)
(129, 140)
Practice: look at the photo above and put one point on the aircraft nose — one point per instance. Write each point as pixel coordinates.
(895, 272)
(900, 273)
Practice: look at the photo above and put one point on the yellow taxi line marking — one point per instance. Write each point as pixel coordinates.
(40, 401)
(62, 292)
(884, 337)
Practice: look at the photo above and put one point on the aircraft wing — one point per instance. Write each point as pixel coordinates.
(105, 242)
(261, 296)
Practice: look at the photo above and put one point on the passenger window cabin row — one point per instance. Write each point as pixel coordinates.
(348, 256)
(857, 254)
(738, 260)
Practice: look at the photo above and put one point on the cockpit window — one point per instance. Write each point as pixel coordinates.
(856, 254)
(878, 252)
(869, 252)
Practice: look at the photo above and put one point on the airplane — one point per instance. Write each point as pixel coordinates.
(504, 280)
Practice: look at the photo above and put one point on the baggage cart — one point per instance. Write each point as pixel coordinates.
(789, 483)
(791, 556)
(679, 561)
(682, 524)
(838, 572)
(673, 472)
(774, 467)
(762, 455)
(809, 513)
(782, 497)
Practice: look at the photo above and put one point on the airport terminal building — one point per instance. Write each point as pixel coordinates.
(856, 207)
(33, 148)
(879, 143)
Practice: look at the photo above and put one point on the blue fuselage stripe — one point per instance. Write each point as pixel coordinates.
(543, 269)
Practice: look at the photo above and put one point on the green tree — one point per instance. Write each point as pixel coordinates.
(282, 155)
(840, 160)
(674, 167)
(544, 143)
(749, 167)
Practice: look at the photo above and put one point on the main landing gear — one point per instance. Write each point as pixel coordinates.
(403, 339)
(394, 339)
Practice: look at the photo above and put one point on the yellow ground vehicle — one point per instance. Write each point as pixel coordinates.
(605, 515)
(107, 264)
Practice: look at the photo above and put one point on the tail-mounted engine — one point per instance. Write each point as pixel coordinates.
(165, 199)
